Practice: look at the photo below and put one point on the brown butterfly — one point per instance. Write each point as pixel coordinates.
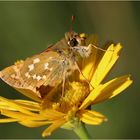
(49, 68)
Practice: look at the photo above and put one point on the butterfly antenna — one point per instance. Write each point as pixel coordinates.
(72, 21)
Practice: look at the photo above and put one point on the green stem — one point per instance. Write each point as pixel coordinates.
(81, 131)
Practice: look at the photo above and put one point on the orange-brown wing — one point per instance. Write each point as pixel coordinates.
(44, 68)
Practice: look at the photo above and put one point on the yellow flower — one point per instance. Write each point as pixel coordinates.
(73, 107)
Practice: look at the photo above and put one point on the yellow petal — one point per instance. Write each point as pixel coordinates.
(106, 63)
(29, 123)
(51, 114)
(15, 106)
(7, 120)
(29, 105)
(21, 116)
(107, 90)
(113, 88)
(91, 117)
(4, 105)
(53, 127)
(91, 97)
(88, 66)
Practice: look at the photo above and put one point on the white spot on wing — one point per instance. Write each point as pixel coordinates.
(34, 76)
(46, 66)
(37, 60)
(27, 75)
(44, 77)
(38, 78)
(31, 67)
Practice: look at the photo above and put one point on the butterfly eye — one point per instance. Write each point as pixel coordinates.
(73, 42)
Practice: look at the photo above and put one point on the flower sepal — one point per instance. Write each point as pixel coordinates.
(71, 124)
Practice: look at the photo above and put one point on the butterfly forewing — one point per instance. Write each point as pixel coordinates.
(42, 69)
(11, 74)
(38, 68)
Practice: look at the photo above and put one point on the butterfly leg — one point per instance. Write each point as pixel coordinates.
(99, 48)
(83, 74)
(63, 84)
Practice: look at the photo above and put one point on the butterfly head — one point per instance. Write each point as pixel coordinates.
(76, 42)
(74, 39)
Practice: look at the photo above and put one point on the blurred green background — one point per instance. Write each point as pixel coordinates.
(27, 28)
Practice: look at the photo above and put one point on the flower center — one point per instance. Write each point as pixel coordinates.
(75, 93)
